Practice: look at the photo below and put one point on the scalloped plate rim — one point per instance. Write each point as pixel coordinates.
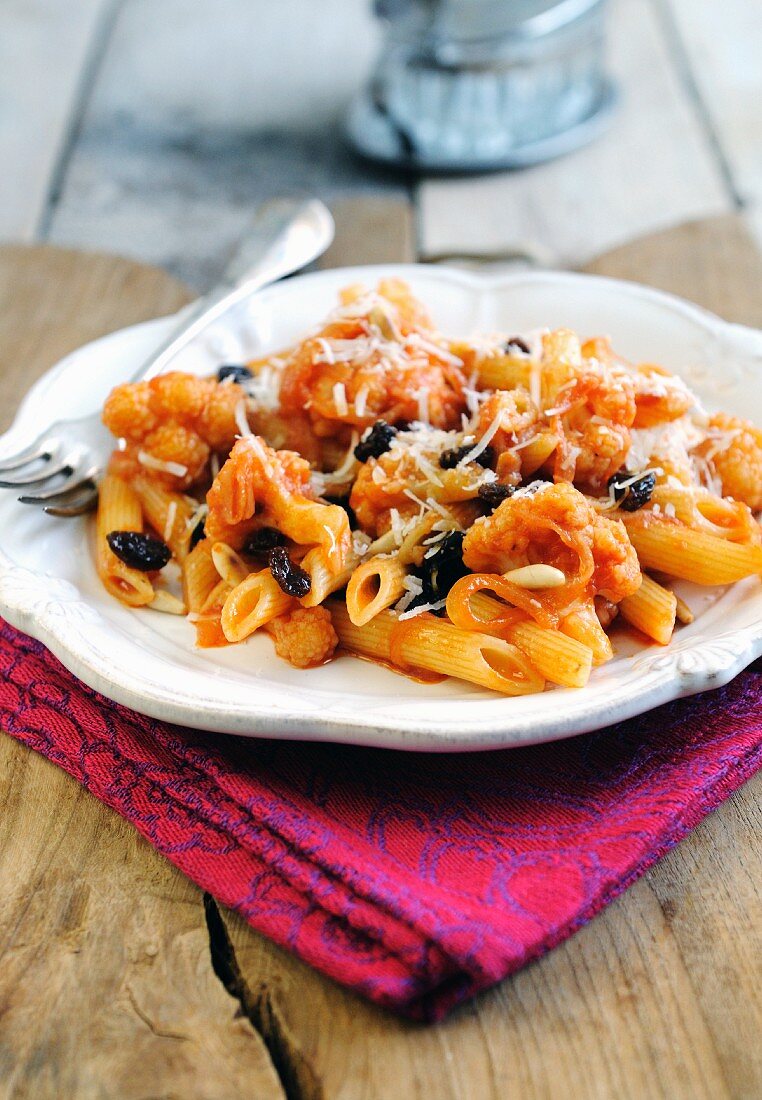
(671, 676)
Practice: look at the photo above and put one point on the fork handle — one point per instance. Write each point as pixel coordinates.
(195, 319)
(287, 236)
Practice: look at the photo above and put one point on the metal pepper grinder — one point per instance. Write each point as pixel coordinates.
(475, 85)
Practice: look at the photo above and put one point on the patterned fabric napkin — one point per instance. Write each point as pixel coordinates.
(415, 879)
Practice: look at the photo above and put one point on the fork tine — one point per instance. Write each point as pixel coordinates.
(64, 465)
(78, 479)
(77, 506)
(40, 448)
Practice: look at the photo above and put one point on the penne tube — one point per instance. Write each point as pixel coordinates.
(503, 372)
(584, 626)
(425, 642)
(168, 513)
(323, 581)
(651, 609)
(534, 454)
(560, 659)
(374, 586)
(200, 576)
(230, 565)
(119, 509)
(253, 603)
(670, 547)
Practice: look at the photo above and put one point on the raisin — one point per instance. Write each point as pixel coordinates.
(263, 540)
(198, 533)
(494, 493)
(440, 569)
(633, 496)
(234, 371)
(139, 551)
(375, 442)
(293, 580)
(449, 459)
(516, 344)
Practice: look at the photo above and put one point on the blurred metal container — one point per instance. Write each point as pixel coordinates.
(474, 85)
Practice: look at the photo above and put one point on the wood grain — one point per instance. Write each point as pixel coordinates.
(107, 986)
(106, 979)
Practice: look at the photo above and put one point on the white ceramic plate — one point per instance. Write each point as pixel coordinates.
(146, 660)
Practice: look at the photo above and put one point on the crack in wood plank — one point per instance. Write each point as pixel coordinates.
(260, 1006)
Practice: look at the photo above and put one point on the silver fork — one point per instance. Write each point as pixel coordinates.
(60, 469)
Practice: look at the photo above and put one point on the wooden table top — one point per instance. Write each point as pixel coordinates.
(120, 979)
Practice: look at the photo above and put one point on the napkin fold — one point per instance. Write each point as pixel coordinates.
(417, 880)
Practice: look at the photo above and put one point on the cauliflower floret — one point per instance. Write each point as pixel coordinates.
(556, 526)
(380, 359)
(176, 418)
(304, 637)
(594, 416)
(739, 461)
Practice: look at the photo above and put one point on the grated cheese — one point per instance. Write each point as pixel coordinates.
(422, 397)
(264, 387)
(343, 472)
(242, 420)
(340, 399)
(175, 468)
(361, 400)
(360, 543)
(422, 608)
(484, 442)
(170, 521)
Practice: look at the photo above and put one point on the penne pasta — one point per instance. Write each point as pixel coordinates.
(253, 603)
(200, 576)
(669, 547)
(168, 513)
(323, 580)
(374, 586)
(119, 509)
(651, 609)
(560, 659)
(430, 643)
(584, 626)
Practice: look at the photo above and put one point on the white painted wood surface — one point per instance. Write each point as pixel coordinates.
(152, 127)
(45, 46)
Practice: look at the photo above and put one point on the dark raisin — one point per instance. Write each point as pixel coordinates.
(633, 496)
(494, 493)
(263, 540)
(290, 576)
(234, 371)
(440, 569)
(375, 442)
(449, 459)
(139, 551)
(516, 344)
(198, 533)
